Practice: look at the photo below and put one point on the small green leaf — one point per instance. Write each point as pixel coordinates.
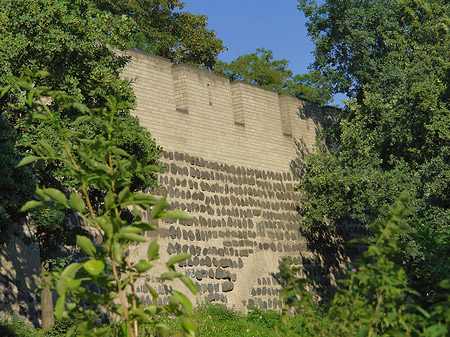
(153, 251)
(130, 229)
(86, 245)
(94, 267)
(177, 258)
(152, 291)
(76, 202)
(73, 283)
(132, 237)
(59, 308)
(31, 204)
(188, 283)
(27, 160)
(162, 329)
(183, 300)
(187, 324)
(117, 251)
(119, 151)
(170, 275)
(81, 119)
(56, 195)
(5, 90)
(47, 147)
(142, 266)
(158, 208)
(124, 194)
(152, 168)
(109, 200)
(80, 107)
(175, 214)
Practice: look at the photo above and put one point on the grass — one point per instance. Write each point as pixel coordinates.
(211, 321)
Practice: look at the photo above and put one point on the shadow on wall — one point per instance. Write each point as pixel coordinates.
(19, 275)
(298, 165)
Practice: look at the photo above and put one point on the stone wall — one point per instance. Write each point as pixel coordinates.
(231, 153)
(231, 161)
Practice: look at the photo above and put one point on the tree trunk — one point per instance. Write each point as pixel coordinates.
(48, 317)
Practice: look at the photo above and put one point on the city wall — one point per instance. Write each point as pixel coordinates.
(231, 162)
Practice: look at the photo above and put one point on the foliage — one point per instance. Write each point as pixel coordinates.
(260, 68)
(97, 161)
(12, 326)
(161, 28)
(73, 41)
(394, 133)
(16, 184)
(375, 298)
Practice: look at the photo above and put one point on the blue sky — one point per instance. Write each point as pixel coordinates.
(245, 25)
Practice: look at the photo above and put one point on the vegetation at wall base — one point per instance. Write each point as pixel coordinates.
(375, 299)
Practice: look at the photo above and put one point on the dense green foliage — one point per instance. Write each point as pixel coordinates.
(375, 299)
(394, 135)
(161, 28)
(16, 185)
(96, 161)
(262, 69)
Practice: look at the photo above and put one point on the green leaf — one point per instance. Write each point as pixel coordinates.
(152, 291)
(47, 147)
(81, 119)
(177, 258)
(76, 202)
(117, 251)
(183, 300)
(80, 107)
(160, 205)
(73, 283)
(132, 237)
(153, 251)
(109, 200)
(57, 195)
(86, 245)
(31, 204)
(124, 194)
(187, 324)
(170, 275)
(188, 283)
(59, 307)
(162, 329)
(142, 266)
(27, 160)
(151, 168)
(130, 229)
(119, 151)
(94, 267)
(5, 90)
(175, 214)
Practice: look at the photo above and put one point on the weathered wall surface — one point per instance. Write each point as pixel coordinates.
(229, 151)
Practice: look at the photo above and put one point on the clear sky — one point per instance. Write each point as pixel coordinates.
(245, 25)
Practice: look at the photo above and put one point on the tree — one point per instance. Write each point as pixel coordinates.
(16, 184)
(162, 29)
(73, 41)
(394, 134)
(262, 69)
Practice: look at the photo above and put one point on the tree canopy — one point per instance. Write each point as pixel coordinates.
(262, 69)
(161, 28)
(390, 57)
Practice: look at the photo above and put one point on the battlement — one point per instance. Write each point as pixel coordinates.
(204, 114)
